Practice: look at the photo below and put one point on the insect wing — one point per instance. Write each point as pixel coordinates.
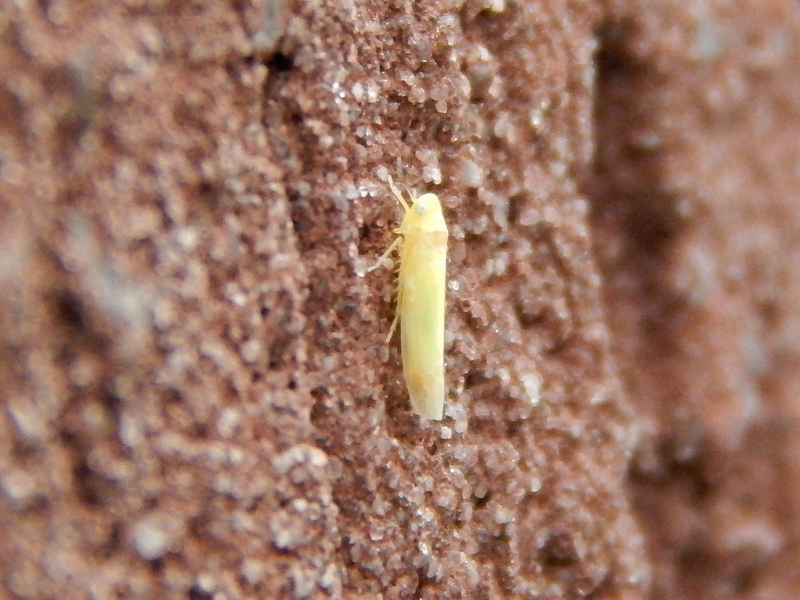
(422, 272)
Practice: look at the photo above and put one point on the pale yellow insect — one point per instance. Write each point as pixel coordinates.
(422, 245)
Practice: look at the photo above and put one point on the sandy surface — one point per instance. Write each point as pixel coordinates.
(196, 399)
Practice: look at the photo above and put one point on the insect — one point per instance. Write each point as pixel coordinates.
(422, 245)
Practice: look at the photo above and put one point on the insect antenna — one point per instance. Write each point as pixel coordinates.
(409, 192)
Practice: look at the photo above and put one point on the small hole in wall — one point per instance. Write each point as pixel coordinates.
(280, 63)
(559, 550)
(196, 593)
(70, 310)
(482, 502)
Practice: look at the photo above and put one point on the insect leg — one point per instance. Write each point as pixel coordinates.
(398, 304)
(394, 245)
(392, 328)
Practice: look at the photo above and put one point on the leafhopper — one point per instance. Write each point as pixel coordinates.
(421, 283)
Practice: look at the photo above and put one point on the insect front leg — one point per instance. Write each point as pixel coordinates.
(395, 244)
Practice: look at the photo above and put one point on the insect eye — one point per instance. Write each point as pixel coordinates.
(421, 208)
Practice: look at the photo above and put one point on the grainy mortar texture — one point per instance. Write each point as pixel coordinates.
(196, 398)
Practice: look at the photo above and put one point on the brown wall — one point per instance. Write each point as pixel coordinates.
(196, 398)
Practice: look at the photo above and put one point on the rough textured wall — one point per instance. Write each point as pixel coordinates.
(197, 400)
(696, 223)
